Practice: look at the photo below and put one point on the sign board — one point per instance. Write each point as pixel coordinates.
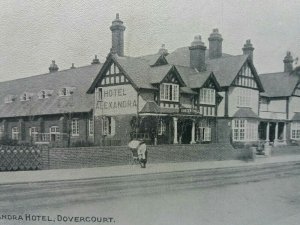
(115, 100)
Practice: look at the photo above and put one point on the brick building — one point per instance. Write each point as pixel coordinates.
(185, 96)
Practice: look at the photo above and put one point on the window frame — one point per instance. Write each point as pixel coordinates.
(15, 133)
(169, 92)
(75, 127)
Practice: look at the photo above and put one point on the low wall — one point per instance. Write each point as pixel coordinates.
(121, 155)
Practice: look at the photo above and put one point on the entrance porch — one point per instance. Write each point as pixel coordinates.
(273, 132)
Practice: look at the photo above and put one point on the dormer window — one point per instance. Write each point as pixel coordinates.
(169, 92)
(66, 91)
(9, 98)
(25, 96)
(44, 94)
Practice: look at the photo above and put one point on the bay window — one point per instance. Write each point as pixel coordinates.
(244, 130)
(295, 130)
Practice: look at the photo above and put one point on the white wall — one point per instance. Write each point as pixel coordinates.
(233, 96)
(221, 106)
(294, 105)
(275, 109)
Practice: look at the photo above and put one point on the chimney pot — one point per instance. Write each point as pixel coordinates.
(117, 28)
(288, 62)
(215, 44)
(163, 50)
(248, 49)
(53, 67)
(95, 60)
(197, 54)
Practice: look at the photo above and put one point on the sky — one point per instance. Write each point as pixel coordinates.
(34, 32)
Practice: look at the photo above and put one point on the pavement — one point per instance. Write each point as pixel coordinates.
(15, 177)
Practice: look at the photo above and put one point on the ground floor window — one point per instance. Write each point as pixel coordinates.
(75, 127)
(1, 131)
(203, 133)
(15, 133)
(244, 130)
(295, 130)
(91, 126)
(54, 133)
(108, 126)
(162, 127)
(33, 133)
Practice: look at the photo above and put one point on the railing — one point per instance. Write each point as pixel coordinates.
(21, 158)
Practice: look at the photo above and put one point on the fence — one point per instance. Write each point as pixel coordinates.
(22, 157)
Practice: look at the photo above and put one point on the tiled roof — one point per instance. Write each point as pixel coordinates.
(79, 78)
(296, 116)
(245, 113)
(224, 68)
(280, 84)
(152, 107)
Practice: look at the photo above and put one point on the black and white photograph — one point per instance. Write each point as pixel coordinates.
(141, 112)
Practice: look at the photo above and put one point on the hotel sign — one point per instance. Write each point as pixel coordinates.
(115, 100)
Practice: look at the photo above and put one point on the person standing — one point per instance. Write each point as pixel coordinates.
(142, 153)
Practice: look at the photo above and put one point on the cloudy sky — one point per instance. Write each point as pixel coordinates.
(34, 32)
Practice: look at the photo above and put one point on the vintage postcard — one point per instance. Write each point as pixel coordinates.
(149, 112)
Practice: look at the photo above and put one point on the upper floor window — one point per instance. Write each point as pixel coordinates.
(244, 97)
(25, 96)
(44, 94)
(98, 94)
(207, 96)
(15, 133)
(66, 91)
(169, 92)
(75, 127)
(9, 98)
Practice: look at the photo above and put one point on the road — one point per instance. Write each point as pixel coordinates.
(266, 194)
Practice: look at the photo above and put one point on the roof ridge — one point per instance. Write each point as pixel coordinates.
(44, 74)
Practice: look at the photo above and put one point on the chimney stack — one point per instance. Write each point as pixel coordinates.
(197, 54)
(95, 60)
(288, 62)
(53, 67)
(73, 66)
(215, 44)
(117, 28)
(163, 50)
(248, 49)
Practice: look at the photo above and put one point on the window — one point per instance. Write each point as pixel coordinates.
(245, 130)
(244, 97)
(9, 98)
(54, 133)
(45, 94)
(66, 91)
(169, 92)
(108, 126)
(75, 127)
(33, 133)
(99, 94)
(207, 96)
(91, 126)
(295, 130)
(1, 130)
(161, 127)
(203, 133)
(25, 97)
(15, 133)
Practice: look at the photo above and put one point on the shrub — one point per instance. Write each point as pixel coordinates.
(246, 154)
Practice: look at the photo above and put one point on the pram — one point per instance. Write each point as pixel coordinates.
(133, 146)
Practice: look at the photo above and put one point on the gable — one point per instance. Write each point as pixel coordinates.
(160, 61)
(112, 75)
(246, 77)
(210, 83)
(173, 77)
(297, 90)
